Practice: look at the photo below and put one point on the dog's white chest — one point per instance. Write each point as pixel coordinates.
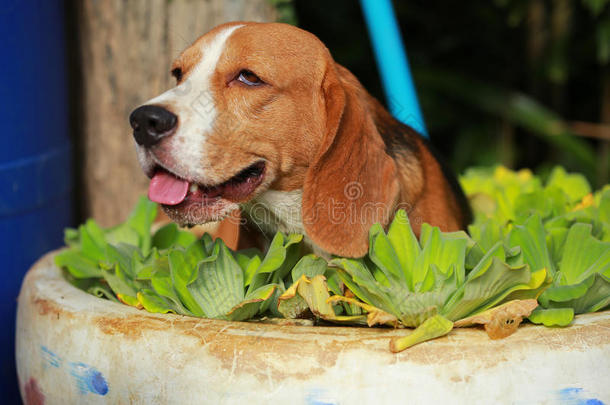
(274, 211)
(277, 211)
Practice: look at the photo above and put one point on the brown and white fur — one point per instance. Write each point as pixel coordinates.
(335, 161)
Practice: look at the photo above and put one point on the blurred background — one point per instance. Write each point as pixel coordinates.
(524, 83)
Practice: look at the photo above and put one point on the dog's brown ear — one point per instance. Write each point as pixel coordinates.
(352, 182)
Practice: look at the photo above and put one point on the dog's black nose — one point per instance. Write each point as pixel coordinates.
(151, 123)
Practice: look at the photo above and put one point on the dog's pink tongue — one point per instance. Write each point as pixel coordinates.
(165, 188)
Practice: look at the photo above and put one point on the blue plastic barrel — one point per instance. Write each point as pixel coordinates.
(35, 154)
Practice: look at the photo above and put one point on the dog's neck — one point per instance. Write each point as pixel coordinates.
(277, 211)
(274, 211)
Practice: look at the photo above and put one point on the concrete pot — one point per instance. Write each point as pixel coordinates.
(75, 348)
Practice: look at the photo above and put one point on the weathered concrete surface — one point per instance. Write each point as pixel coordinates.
(75, 348)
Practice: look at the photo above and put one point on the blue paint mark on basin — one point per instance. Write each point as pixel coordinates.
(319, 397)
(88, 379)
(50, 358)
(576, 396)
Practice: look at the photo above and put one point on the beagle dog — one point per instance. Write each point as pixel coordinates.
(263, 119)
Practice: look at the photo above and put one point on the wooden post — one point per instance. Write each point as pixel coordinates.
(126, 48)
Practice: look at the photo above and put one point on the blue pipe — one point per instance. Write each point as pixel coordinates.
(392, 62)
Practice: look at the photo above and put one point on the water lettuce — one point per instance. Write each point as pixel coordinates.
(443, 278)
(537, 248)
(173, 271)
(560, 225)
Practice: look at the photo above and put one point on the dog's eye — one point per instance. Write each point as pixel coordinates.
(177, 73)
(249, 78)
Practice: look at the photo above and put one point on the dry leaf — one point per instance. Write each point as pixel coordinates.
(312, 294)
(375, 315)
(503, 320)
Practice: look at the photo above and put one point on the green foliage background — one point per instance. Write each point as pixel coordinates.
(499, 81)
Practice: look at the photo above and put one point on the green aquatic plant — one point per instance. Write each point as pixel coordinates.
(531, 240)
(580, 270)
(171, 270)
(430, 283)
(559, 225)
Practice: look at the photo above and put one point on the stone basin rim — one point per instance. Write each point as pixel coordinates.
(45, 271)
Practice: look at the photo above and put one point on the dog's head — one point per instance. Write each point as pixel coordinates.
(264, 107)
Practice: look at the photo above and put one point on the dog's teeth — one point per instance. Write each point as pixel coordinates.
(194, 188)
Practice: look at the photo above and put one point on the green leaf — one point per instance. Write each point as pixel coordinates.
(381, 252)
(604, 204)
(154, 264)
(486, 234)
(293, 254)
(164, 287)
(170, 236)
(219, 286)
(564, 293)
(120, 284)
(583, 255)
(597, 298)
(194, 254)
(153, 302)
(92, 244)
(358, 278)
(251, 304)
(182, 275)
(333, 281)
(574, 185)
(310, 266)
(208, 243)
(165, 236)
(487, 289)
(123, 255)
(279, 260)
(432, 328)
(315, 294)
(592, 294)
(141, 220)
(79, 265)
(270, 306)
(442, 250)
(552, 317)
(414, 309)
(555, 242)
(530, 204)
(250, 269)
(531, 238)
(122, 234)
(293, 306)
(405, 245)
(184, 238)
(102, 291)
(72, 237)
(129, 300)
(95, 233)
(276, 254)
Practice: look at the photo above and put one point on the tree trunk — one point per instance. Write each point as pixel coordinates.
(126, 48)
